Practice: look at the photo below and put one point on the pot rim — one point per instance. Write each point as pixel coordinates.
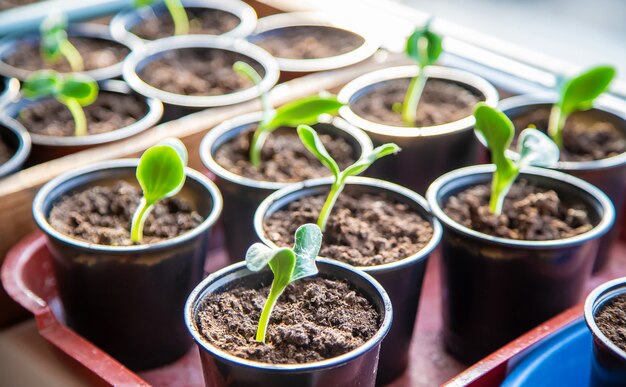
(87, 30)
(548, 99)
(469, 80)
(261, 212)
(607, 216)
(293, 19)
(124, 21)
(151, 118)
(235, 124)
(160, 46)
(598, 296)
(200, 290)
(41, 219)
(23, 150)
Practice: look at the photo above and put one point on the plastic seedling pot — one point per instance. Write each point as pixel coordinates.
(18, 140)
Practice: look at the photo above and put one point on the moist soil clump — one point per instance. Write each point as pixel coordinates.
(363, 229)
(315, 319)
(102, 215)
(201, 21)
(96, 54)
(308, 42)
(582, 140)
(111, 111)
(441, 102)
(611, 319)
(5, 152)
(529, 213)
(198, 71)
(283, 159)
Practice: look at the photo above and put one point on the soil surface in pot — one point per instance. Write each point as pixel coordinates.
(111, 111)
(314, 319)
(441, 102)
(529, 213)
(198, 71)
(5, 152)
(611, 319)
(582, 140)
(96, 54)
(201, 21)
(102, 215)
(284, 158)
(308, 42)
(363, 229)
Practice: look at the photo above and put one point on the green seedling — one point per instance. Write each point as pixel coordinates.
(578, 94)
(176, 10)
(424, 47)
(533, 146)
(302, 111)
(161, 174)
(55, 44)
(74, 90)
(288, 265)
(312, 142)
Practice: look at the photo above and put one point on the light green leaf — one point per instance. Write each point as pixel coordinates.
(161, 172)
(536, 148)
(368, 159)
(80, 87)
(308, 241)
(312, 142)
(305, 111)
(41, 84)
(424, 46)
(579, 92)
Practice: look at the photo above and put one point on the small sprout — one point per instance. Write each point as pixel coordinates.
(55, 44)
(176, 10)
(288, 265)
(161, 174)
(534, 147)
(302, 111)
(578, 94)
(312, 142)
(424, 47)
(75, 91)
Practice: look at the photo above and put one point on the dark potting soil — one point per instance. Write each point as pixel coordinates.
(102, 215)
(441, 102)
(315, 319)
(201, 21)
(96, 54)
(111, 111)
(284, 158)
(581, 141)
(5, 152)
(529, 213)
(198, 71)
(363, 229)
(611, 319)
(308, 42)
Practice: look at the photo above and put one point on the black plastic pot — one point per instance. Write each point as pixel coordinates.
(47, 148)
(87, 30)
(178, 105)
(608, 366)
(129, 300)
(352, 369)
(401, 279)
(243, 195)
(16, 137)
(431, 151)
(495, 289)
(607, 174)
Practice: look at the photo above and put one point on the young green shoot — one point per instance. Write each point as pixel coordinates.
(288, 265)
(533, 146)
(74, 90)
(578, 94)
(161, 174)
(55, 44)
(176, 10)
(424, 47)
(312, 142)
(302, 111)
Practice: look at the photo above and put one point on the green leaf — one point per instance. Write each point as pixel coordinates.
(283, 264)
(536, 148)
(312, 142)
(80, 87)
(161, 172)
(579, 92)
(41, 84)
(244, 69)
(368, 159)
(143, 3)
(305, 111)
(258, 256)
(308, 241)
(53, 34)
(424, 46)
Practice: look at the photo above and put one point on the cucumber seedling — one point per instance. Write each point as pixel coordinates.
(533, 146)
(161, 174)
(312, 142)
(288, 265)
(74, 90)
(578, 94)
(176, 10)
(302, 111)
(55, 44)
